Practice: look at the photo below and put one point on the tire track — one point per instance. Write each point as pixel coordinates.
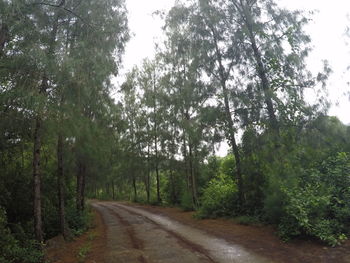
(136, 242)
(213, 248)
(181, 240)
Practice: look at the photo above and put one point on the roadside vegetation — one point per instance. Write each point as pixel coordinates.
(229, 72)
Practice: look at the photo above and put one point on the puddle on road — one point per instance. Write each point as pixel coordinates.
(218, 249)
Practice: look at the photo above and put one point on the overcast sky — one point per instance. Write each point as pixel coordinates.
(326, 30)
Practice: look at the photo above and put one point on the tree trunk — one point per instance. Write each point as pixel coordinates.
(37, 181)
(175, 196)
(268, 92)
(235, 149)
(80, 192)
(38, 232)
(134, 187)
(4, 36)
(148, 174)
(192, 180)
(229, 123)
(187, 174)
(156, 138)
(158, 185)
(60, 185)
(113, 190)
(82, 200)
(107, 190)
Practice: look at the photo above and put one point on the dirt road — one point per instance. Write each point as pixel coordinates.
(128, 232)
(136, 235)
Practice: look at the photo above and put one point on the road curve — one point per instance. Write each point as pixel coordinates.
(136, 235)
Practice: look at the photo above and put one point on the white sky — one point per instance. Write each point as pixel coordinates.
(327, 31)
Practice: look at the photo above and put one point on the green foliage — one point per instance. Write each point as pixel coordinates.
(186, 201)
(227, 165)
(13, 250)
(219, 197)
(173, 187)
(319, 205)
(79, 222)
(83, 252)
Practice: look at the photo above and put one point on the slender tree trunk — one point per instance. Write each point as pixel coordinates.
(37, 181)
(60, 185)
(4, 36)
(191, 166)
(229, 123)
(156, 137)
(113, 190)
(38, 232)
(22, 155)
(156, 161)
(235, 148)
(36, 169)
(185, 156)
(134, 187)
(173, 196)
(193, 179)
(107, 189)
(80, 187)
(82, 200)
(148, 186)
(158, 185)
(268, 92)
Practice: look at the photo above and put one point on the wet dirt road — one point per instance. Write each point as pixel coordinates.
(136, 235)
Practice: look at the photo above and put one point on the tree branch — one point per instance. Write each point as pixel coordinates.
(60, 5)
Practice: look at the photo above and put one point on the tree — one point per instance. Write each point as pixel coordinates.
(56, 57)
(216, 55)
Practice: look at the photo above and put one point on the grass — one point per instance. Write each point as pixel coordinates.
(83, 252)
(92, 236)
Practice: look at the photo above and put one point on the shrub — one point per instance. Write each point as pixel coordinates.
(305, 209)
(219, 197)
(319, 205)
(79, 222)
(186, 201)
(12, 250)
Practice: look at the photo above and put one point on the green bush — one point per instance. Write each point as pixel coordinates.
(186, 201)
(319, 205)
(219, 197)
(173, 185)
(305, 209)
(13, 250)
(79, 222)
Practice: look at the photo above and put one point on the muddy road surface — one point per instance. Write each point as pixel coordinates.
(136, 235)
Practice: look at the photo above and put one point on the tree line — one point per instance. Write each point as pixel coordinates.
(56, 113)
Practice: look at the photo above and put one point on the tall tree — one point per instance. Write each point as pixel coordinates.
(213, 37)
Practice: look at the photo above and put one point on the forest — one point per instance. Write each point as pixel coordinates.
(228, 72)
